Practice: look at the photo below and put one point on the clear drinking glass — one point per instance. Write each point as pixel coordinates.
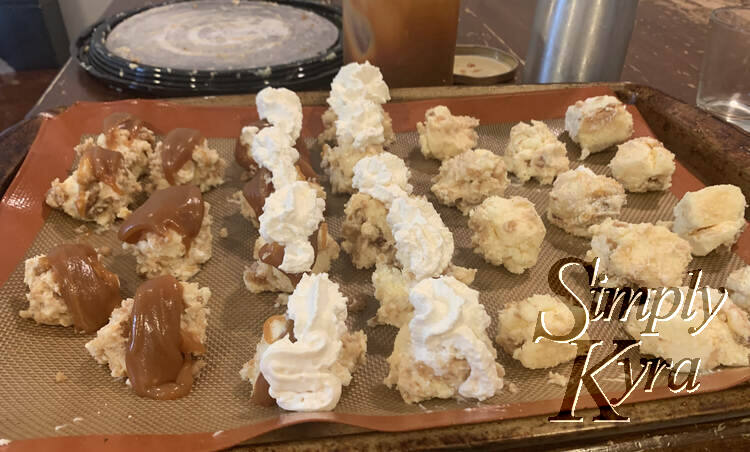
(724, 88)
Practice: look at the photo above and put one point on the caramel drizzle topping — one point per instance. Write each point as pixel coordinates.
(158, 358)
(104, 164)
(89, 290)
(177, 149)
(179, 208)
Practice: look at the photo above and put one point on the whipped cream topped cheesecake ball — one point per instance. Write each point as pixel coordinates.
(643, 164)
(580, 199)
(278, 107)
(738, 284)
(70, 286)
(170, 234)
(710, 217)
(443, 135)
(469, 178)
(293, 240)
(424, 245)
(156, 338)
(517, 325)
(533, 151)
(100, 189)
(424, 248)
(507, 232)
(640, 255)
(392, 285)
(366, 235)
(356, 84)
(444, 351)
(363, 128)
(279, 164)
(723, 342)
(598, 123)
(184, 158)
(131, 137)
(305, 358)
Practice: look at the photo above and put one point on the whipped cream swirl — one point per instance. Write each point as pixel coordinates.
(273, 149)
(281, 108)
(357, 94)
(424, 245)
(305, 375)
(449, 324)
(385, 177)
(290, 215)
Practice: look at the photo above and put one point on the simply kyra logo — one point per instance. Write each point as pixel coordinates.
(647, 305)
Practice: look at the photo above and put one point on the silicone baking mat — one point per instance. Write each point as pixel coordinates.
(92, 409)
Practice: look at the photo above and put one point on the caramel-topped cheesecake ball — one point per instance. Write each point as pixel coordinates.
(183, 157)
(70, 286)
(156, 338)
(170, 234)
(100, 189)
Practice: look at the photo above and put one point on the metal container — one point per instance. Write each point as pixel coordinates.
(579, 40)
(506, 63)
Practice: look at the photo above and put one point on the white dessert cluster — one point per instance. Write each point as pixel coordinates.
(469, 178)
(367, 237)
(293, 212)
(580, 199)
(598, 123)
(738, 284)
(533, 151)
(83, 196)
(507, 232)
(308, 373)
(640, 255)
(362, 127)
(710, 217)
(517, 325)
(723, 342)
(443, 135)
(444, 351)
(111, 341)
(643, 164)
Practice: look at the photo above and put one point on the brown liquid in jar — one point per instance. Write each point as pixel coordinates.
(273, 253)
(412, 42)
(179, 208)
(89, 290)
(177, 148)
(158, 362)
(242, 151)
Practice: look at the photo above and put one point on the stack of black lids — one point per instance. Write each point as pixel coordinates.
(215, 47)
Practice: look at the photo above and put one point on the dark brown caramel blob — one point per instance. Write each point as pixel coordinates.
(257, 189)
(157, 359)
(177, 148)
(123, 121)
(90, 291)
(273, 253)
(179, 208)
(104, 165)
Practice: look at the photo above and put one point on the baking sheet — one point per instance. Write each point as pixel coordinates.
(34, 404)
